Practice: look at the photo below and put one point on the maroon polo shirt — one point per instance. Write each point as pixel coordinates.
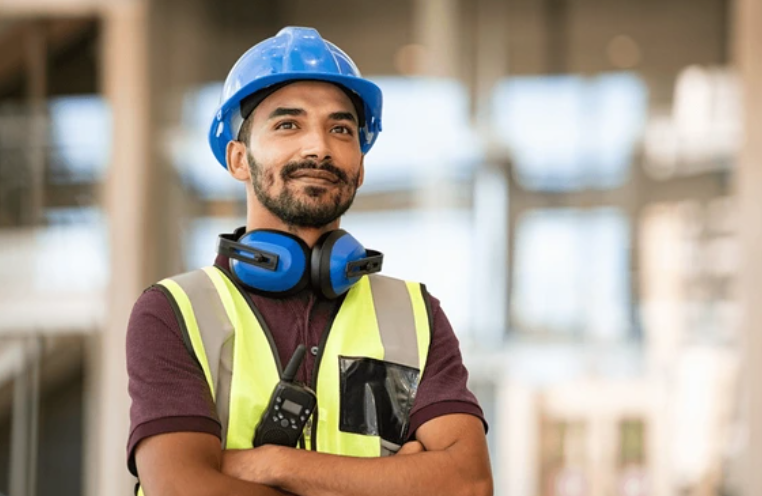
(170, 394)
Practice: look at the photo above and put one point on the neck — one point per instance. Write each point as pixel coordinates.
(258, 217)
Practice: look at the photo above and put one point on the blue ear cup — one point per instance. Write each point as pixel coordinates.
(275, 263)
(267, 262)
(338, 261)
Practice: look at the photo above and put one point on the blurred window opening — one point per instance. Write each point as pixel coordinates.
(189, 148)
(568, 133)
(571, 274)
(69, 255)
(72, 251)
(702, 131)
(427, 132)
(80, 139)
(51, 157)
(688, 263)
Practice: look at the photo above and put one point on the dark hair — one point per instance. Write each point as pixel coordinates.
(245, 131)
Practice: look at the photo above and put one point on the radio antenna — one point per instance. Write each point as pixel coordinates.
(293, 365)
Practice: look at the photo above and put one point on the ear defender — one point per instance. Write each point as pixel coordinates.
(278, 264)
(267, 262)
(338, 262)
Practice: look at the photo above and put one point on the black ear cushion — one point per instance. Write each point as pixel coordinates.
(320, 263)
(225, 242)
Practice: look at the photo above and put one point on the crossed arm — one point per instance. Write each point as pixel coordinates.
(449, 458)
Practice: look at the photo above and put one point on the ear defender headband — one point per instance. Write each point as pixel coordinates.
(276, 263)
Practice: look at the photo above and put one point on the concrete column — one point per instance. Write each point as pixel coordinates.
(490, 61)
(36, 92)
(126, 87)
(516, 459)
(435, 26)
(25, 417)
(748, 47)
(491, 185)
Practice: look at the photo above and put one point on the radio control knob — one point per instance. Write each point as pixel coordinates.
(284, 423)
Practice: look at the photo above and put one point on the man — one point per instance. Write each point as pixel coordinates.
(295, 122)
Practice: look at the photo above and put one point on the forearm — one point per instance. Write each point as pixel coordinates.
(210, 482)
(206, 482)
(190, 464)
(308, 473)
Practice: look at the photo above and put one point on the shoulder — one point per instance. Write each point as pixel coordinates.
(155, 310)
(152, 313)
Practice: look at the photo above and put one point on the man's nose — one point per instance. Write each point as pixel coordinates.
(315, 146)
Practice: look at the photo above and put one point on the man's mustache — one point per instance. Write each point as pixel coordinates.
(293, 167)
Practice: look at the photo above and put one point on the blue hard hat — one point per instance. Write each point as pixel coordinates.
(294, 54)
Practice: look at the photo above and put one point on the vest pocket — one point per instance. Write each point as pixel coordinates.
(376, 398)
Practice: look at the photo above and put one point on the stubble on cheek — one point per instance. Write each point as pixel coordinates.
(268, 179)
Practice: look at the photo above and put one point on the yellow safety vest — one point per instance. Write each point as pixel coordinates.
(381, 319)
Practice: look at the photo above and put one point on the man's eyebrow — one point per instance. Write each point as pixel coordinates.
(343, 116)
(281, 111)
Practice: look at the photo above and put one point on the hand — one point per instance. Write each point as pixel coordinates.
(411, 448)
(252, 465)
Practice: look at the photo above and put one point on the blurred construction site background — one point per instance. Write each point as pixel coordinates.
(578, 181)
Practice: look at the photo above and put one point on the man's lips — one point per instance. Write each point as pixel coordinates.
(321, 175)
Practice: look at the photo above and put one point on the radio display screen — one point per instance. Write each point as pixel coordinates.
(292, 407)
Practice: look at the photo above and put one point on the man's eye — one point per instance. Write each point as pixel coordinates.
(342, 129)
(286, 125)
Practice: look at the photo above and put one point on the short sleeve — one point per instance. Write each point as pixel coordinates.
(168, 390)
(443, 388)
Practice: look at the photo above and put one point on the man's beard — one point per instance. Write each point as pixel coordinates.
(294, 211)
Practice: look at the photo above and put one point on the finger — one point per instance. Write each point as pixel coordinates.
(410, 448)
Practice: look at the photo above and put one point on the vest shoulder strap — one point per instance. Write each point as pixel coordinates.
(203, 320)
(402, 313)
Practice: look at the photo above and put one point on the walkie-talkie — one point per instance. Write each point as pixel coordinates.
(291, 404)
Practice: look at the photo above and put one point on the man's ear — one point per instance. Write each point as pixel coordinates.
(238, 163)
(361, 175)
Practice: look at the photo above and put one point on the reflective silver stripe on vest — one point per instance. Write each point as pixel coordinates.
(396, 322)
(217, 334)
(223, 386)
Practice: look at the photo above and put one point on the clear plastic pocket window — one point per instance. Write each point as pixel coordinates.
(376, 397)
